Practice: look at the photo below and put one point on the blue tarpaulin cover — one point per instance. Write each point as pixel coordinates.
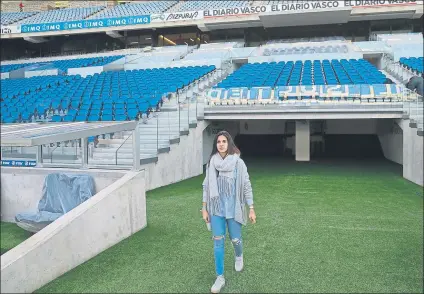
(61, 193)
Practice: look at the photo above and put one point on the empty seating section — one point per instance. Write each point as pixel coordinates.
(11, 67)
(61, 15)
(334, 72)
(306, 50)
(65, 64)
(107, 96)
(276, 2)
(206, 5)
(413, 63)
(12, 17)
(134, 9)
(314, 39)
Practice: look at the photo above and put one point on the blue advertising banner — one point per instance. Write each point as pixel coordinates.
(18, 163)
(85, 24)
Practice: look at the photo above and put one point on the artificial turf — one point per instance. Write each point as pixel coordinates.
(12, 235)
(327, 227)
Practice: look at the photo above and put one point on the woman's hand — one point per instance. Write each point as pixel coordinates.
(252, 215)
(205, 215)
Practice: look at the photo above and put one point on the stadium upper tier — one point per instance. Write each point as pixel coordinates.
(315, 72)
(314, 39)
(276, 2)
(122, 10)
(64, 64)
(306, 50)
(131, 9)
(11, 17)
(12, 67)
(413, 63)
(61, 15)
(205, 5)
(106, 96)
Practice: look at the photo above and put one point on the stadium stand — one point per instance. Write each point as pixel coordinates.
(413, 63)
(135, 9)
(309, 72)
(306, 50)
(64, 65)
(8, 18)
(107, 96)
(11, 67)
(205, 5)
(314, 39)
(61, 15)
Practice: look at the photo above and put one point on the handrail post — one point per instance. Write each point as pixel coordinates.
(116, 152)
(84, 146)
(136, 148)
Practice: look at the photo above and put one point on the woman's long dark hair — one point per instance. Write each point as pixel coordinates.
(232, 148)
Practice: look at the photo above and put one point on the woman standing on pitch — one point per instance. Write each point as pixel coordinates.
(226, 191)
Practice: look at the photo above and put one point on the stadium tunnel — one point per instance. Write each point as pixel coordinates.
(328, 139)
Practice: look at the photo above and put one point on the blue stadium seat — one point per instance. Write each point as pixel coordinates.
(135, 9)
(8, 18)
(413, 63)
(334, 72)
(123, 93)
(206, 5)
(56, 118)
(59, 15)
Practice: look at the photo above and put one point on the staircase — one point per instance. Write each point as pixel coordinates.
(413, 103)
(93, 15)
(175, 7)
(413, 110)
(156, 136)
(162, 129)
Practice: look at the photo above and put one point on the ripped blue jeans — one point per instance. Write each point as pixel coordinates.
(219, 225)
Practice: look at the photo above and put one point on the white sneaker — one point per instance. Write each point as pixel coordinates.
(239, 263)
(218, 285)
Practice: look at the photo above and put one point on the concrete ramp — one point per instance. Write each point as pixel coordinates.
(113, 214)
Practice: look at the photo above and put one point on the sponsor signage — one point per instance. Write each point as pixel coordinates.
(9, 30)
(288, 7)
(86, 24)
(177, 16)
(366, 3)
(26, 163)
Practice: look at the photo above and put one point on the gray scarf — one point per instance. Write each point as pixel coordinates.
(225, 167)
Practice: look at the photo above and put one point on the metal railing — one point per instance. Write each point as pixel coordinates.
(116, 152)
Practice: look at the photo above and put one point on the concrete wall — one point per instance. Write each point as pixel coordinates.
(302, 140)
(412, 154)
(333, 127)
(262, 127)
(185, 160)
(21, 188)
(85, 71)
(36, 73)
(390, 135)
(351, 126)
(113, 214)
(295, 57)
